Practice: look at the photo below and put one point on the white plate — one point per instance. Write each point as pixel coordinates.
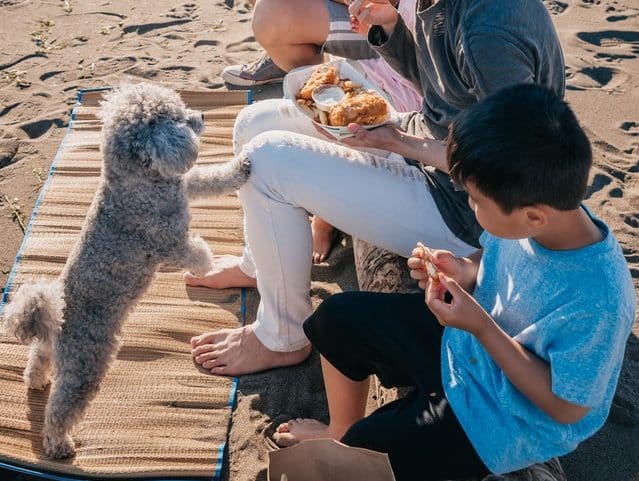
(296, 78)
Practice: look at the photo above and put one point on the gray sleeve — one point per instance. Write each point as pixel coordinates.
(398, 50)
(493, 60)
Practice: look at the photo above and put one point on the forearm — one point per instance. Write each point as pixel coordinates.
(427, 151)
(528, 373)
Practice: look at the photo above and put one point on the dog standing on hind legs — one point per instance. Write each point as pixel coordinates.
(137, 222)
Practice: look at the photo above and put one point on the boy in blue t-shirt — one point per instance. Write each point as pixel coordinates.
(535, 322)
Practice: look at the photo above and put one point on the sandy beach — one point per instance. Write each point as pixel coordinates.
(51, 49)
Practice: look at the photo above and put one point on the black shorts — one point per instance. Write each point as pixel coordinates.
(397, 338)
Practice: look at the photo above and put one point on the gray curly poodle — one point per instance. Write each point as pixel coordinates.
(137, 222)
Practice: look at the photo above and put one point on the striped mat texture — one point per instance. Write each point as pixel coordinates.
(157, 414)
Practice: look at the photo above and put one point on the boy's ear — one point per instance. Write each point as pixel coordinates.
(535, 216)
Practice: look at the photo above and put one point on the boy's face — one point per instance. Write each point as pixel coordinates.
(493, 219)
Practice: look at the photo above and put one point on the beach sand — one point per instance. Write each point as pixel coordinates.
(51, 49)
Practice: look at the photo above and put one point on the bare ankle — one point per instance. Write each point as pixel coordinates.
(337, 431)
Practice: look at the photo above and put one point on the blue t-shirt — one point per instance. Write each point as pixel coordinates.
(575, 310)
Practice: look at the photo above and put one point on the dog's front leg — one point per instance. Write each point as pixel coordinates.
(218, 179)
(195, 257)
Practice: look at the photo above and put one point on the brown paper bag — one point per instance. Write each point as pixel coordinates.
(328, 460)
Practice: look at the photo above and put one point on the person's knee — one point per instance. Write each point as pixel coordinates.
(335, 318)
(270, 18)
(265, 153)
(250, 122)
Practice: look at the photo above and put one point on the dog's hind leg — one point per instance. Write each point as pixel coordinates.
(39, 365)
(76, 383)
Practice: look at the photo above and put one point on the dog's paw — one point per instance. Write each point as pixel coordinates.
(201, 258)
(36, 380)
(58, 447)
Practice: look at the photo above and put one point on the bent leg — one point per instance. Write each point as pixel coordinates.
(291, 31)
(380, 200)
(397, 338)
(359, 334)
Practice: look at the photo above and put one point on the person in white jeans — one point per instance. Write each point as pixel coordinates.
(295, 171)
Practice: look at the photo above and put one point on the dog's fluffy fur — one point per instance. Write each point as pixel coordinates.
(138, 221)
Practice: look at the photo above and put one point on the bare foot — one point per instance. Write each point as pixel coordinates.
(298, 430)
(233, 352)
(225, 273)
(324, 236)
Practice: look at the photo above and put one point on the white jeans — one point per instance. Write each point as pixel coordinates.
(294, 172)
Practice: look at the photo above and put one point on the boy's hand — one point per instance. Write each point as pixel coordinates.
(463, 311)
(442, 260)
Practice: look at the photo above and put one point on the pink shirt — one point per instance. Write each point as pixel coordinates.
(403, 94)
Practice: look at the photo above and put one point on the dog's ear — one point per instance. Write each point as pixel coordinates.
(148, 127)
(170, 147)
(195, 119)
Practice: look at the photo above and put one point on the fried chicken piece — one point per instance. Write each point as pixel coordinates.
(365, 108)
(322, 75)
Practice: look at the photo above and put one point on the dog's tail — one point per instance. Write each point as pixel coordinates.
(218, 179)
(35, 311)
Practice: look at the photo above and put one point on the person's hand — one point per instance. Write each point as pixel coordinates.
(442, 260)
(462, 312)
(374, 12)
(384, 137)
(357, 26)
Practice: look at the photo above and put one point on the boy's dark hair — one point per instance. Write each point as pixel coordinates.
(521, 146)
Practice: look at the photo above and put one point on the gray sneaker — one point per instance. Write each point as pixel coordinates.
(258, 72)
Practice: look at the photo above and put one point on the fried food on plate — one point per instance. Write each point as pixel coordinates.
(364, 108)
(322, 75)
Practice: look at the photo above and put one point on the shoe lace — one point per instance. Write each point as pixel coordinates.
(254, 65)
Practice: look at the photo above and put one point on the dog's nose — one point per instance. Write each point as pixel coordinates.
(202, 116)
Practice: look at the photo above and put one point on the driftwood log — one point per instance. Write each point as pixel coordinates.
(381, 271)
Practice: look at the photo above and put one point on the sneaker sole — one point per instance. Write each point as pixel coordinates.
(242, 82)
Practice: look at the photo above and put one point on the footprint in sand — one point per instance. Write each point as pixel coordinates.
(588, 78)
(612, 38)
(110, 65)
(245, 45)
(185, 11)
(620, 18)
(599, 181)
(149, 27)
(11, 3)
(630, 128)
(37, 128)
(555, 7)
(207, 43)
(8, 150)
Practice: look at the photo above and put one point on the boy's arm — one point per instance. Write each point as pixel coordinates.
(528, 373)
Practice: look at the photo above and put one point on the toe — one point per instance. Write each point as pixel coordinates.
(220, 371)
(284, 440)
(205, 338)
(207, 356)
(203, 349)
(283, 428)
(211, 363)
